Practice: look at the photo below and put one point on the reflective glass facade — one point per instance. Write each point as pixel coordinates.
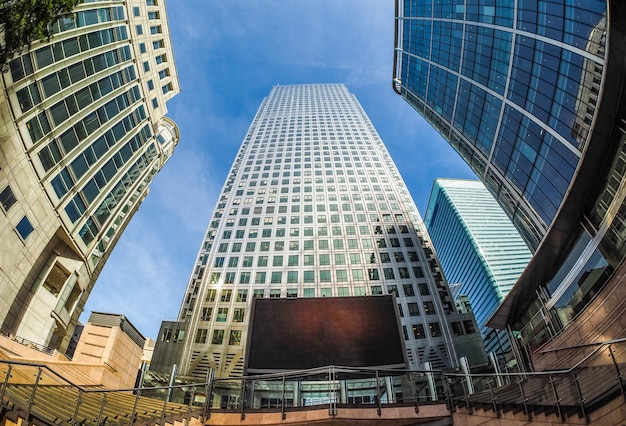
(478, 247)
(512, 86)
(83, 142)
(313, 206)
(552, 72)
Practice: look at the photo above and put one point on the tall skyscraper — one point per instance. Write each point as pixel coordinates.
(82, 135)
(478, 247)
(313, 206)
(530, 93)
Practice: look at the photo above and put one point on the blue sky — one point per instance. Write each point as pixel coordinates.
(228, 56)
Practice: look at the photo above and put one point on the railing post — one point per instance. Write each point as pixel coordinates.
(332, 409)
(79, 401)
(191, 398)
(31, 401)
(493, 399)
(448, 390)
(132, 417)
(5, 383)
(468, 403)
(619, 373)
(102, 404)
(581, 399)
(379, 410)
(163, 411)
(242, 399)
(431, 381)
(556, 397)
(208, 390)
(414, 392)
(283, 415)
(524, 399)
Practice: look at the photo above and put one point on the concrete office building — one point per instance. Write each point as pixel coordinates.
(313, 206)
(478, 247)
(531, 95)
(82, 135)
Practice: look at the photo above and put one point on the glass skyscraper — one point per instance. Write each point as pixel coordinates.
(478, 247)
(512, 86)
(83, 134)
(313, 206)
(530, 93)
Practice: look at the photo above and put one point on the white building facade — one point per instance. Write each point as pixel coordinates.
(82, 135)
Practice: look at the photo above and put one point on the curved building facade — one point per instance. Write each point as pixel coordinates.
(530, 93)
(82, 135)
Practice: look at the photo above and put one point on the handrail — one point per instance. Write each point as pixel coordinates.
(91, 390)
(583, 345)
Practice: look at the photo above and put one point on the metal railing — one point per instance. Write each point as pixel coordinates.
(37, 391)
(589, 383)
(333, 387)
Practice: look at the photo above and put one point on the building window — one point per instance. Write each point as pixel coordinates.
(413, 309)
(235, 338)
(429, 308)
(435, 329)
(218, 337)
(7, 198)
(206, 314)
(242, 296)
(222, 315)
(275, 293)
(226, 295)
(408, 289)
(142, 47)
(457, 328)
(136, 11)
(418, 331)
(469, 327)
(201, 335)
(24, 228)
(238, 314)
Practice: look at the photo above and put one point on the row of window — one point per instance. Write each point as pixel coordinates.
(322, 231)
(30, 95)
(434, 329)
(297, 245)
(23, 66)
(63, 182)
(314, 276)
(94, 223)
(40, 124)
(226, 295)
(55, 151)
